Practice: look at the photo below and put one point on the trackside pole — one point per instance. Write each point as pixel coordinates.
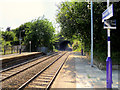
(109, 64)
(108, 61)
(91, 33)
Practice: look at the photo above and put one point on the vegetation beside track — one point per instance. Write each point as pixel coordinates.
(75, 21)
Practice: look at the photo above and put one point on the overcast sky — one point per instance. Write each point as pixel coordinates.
(13, 13)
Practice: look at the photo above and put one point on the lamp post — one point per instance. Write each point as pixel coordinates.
(4, 44)
(20, 43)
(91, 31)
(20, 39)
(30, 45)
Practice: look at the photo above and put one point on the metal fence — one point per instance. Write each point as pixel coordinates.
(11, 49)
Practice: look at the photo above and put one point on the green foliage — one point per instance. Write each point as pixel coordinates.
(102, 56)
(0, 42)
(39, 31)
(77, 45)
(115, 58)
(56, 38)
(55, 50)
(75, 21)
(8, 37)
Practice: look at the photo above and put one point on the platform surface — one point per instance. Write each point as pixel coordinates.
(78, 74)
(16, 55)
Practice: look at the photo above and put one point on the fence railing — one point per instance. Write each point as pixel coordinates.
(11, 49)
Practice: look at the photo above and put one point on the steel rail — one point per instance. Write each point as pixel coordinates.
(26, 68)
(24, 63)
(27, 82)
(49, 85)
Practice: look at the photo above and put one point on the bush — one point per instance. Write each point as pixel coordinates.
(102, 56)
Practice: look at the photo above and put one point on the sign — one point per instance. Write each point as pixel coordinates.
(29, 42)
(107, 13)
(111, 24)
(20, 38)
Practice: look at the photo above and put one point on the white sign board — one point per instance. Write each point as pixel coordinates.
(107, 13)
(29, 42)
(111, 24)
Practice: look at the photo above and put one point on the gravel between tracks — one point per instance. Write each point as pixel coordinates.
(17, 80)
(22, 67)
(45, 79)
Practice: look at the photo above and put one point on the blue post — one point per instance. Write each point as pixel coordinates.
(109, 61)
(91, 33)
(81, 51)
(109, 72)
(109, 65)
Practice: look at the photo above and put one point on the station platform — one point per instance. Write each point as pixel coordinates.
(77, 73)
(9, 56)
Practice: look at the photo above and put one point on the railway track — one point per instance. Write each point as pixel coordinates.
(9, 72)
(20, 79)
(46, 76)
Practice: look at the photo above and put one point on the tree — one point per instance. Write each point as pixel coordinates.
(8, 29)
(74, 19)
(39, 31)
(8, 37)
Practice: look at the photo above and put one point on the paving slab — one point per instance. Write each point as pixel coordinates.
(77, 73)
